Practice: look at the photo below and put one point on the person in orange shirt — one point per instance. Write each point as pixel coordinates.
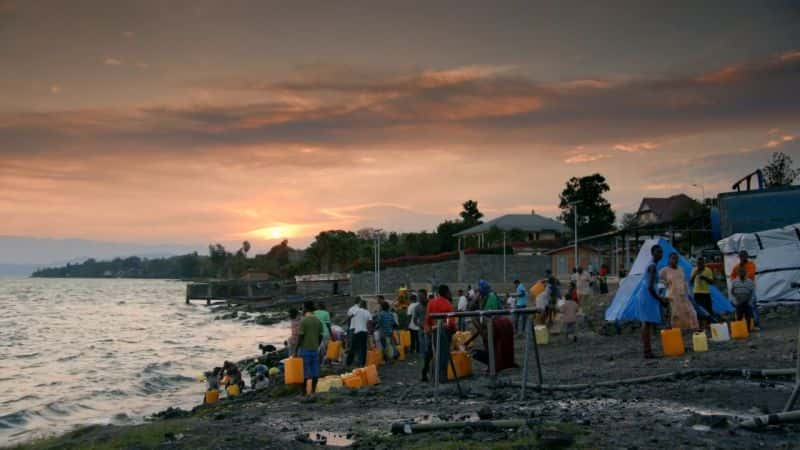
(749, 267)
(750, 271)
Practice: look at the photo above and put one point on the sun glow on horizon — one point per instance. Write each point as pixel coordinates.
(275, 232)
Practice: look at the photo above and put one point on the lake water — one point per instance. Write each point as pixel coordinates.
(84, 351)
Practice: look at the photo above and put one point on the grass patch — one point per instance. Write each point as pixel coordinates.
(148, 435)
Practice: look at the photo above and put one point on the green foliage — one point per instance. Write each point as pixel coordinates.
(779, 172)
(184, 266)
(148, 435)
(446, 230)
(471, 216)
(595, 215)
(333, 250)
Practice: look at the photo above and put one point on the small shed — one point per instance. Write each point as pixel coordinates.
(331, 283)
(563, 259)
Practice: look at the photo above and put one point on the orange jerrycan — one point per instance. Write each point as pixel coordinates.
(334, 350)
(212, 395)
(405, 338)
(739, 329)
(374, 357)
(672, 342)
(293, 370)
(352, 380)
(463, 365)
(371, 374)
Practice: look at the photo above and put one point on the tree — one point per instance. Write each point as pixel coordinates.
(218, 256)
(446, 230)
(595, 215)
(629, 220)
(245, 247)
(333, 250)
(471, 215)
(779, 171)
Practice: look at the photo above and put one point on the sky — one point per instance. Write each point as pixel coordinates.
(189, 122)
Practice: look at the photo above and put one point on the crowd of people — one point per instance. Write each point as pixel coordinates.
(312, 329)
(686, 304)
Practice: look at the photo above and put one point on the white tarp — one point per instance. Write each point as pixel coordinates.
(776, 253)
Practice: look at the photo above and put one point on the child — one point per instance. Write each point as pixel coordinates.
(569, 313)
(542, 304)
(743, 291)
(212, 386)
(260, 380)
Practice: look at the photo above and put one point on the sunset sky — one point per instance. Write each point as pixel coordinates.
(185, 122)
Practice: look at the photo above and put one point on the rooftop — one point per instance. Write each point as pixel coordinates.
(522, 222)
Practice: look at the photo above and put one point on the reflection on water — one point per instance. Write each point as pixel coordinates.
(78, 351)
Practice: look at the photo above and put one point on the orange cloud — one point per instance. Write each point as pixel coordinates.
(636, 147)
(585, 157)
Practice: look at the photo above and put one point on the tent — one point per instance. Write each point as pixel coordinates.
(776, 253)
(632, 302)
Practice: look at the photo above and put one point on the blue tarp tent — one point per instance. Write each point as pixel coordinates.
(632, 302)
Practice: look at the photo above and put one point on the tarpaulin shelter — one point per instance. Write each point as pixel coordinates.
(776, 253)
(632, 301)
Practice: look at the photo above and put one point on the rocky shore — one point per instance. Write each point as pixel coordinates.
(678, 412)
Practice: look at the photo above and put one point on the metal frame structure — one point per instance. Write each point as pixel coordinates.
(440, 317)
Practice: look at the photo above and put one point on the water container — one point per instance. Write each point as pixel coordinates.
(463, 364)
(374, 357)
(323, 385)
(352, 380)
(672, 342)
(293, 370)
(401, 352)
(541, 334)
(212, 395)
(371, 374)
(739, 329)
(232, 390)
(334, 350)
(719, 332)
(700, 342)
(362, 373)
(405, 338)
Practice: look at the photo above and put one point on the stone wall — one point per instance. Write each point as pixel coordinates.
(468, 269)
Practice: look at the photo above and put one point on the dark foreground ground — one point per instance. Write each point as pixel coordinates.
(681, 413)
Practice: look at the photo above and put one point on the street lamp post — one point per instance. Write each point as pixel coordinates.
(377, 276)
(574, 205)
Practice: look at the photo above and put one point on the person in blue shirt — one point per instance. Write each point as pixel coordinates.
(521, 295)
(386, 326)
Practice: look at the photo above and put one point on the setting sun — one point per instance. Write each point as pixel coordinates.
(274, 232)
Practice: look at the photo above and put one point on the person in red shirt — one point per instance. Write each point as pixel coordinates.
(443, 303)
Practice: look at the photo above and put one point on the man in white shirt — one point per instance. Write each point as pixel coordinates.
(583, 283)
(461, 307)
(412, 324)
(359, 324)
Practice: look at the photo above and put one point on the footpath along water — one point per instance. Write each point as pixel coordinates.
(85, 351)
